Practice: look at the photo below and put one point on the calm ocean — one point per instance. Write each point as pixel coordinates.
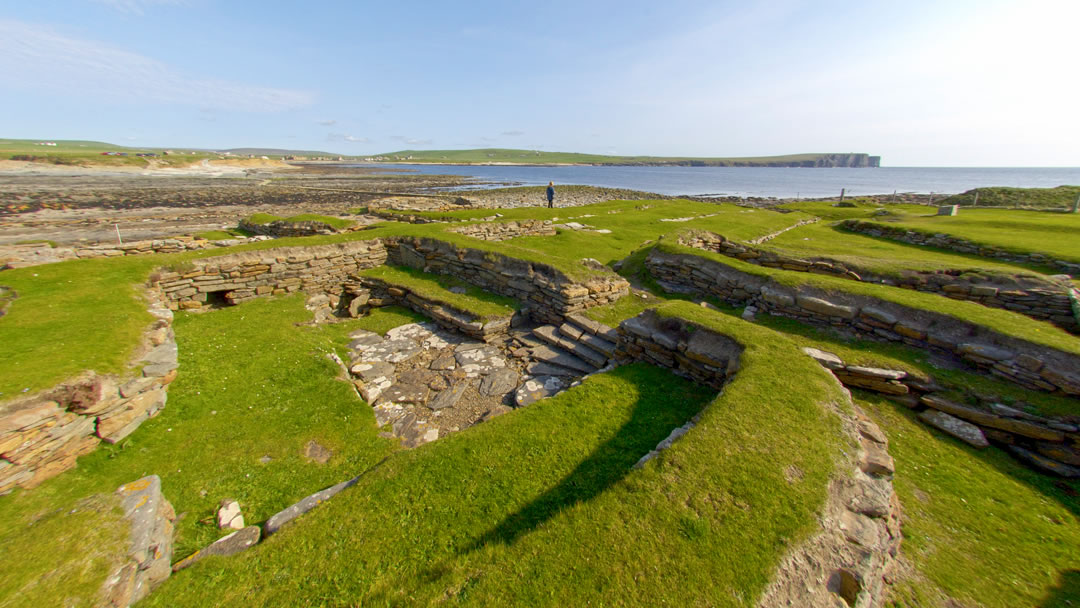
(763, 181)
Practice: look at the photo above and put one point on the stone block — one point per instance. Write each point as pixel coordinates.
(823, 307)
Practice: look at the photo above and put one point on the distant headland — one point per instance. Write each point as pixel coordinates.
(505, 156)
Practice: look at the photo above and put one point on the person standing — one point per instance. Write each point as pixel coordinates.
(551, 195)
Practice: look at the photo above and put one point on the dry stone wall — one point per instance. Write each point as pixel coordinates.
(546, 293)
(20, 256)
(1049, 444)
(239, 277)
(1045, 300)
(501, 231)
(703, 356)
(945, 241)
(285, 229)
(1030, 365)
(42, 436)
(381, 293)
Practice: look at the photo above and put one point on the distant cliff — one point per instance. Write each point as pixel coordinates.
(855, 160)
(504, 156)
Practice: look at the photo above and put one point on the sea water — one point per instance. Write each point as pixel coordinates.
(758, 181)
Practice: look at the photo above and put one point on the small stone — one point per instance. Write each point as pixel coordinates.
(444, 362)
(498, 410)
(229, 515)
(316, 452)
(964, 431)
(449, 397)
(824, 358)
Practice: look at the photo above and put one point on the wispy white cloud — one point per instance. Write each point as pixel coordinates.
(412, 141)
(513, 133)
(138, 7)
(327, 123)
(36, 57)
(349, 138)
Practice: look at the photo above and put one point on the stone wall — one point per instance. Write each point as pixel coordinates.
(150, 549)
(42, 436)
(546, 294)
(238, 277)
(701, 355)
(381, 293)
(20, 256)
(501, 231)
(1030, 365)
(1037, 298)
(285, 229)
(945, 241)
(1049, 444)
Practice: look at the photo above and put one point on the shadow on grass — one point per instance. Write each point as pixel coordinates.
(609, 463)
(1066, 593)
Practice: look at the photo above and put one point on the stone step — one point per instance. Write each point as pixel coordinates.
(551, 335)
(557, 356)
(595, 328)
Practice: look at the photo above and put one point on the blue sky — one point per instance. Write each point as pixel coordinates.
(945, 83)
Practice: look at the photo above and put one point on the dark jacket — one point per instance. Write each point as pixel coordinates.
(550, 193)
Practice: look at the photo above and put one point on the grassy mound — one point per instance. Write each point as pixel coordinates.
(1024, 232)
(483, 304)
(1001, 321)
(979, 528)
(1061, 197)
(540, 506)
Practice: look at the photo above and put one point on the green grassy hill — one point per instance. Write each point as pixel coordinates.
(506, 155)
(1001, 196)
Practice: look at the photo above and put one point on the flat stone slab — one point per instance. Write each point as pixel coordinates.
(444, 363)
(540, 368)
(824, 358)
(363, 338)
(373, 371)
(449, 397)
(562, 359)
(499, 382)
(391, 351)
(405, 393)
(535, 389)
(281, 518)
(951, 425)
(238, 541)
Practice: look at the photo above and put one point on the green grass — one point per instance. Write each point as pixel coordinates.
(482, 304)
(1001, 321)
(222, 235)
(1053, 234)
(85, 153)
(251, 386)
(863, 209)
(540, 506)
(979, 528)
(39, 544)
(64, 315)
(1062, 197)
(884, 256)
(36, 242)
(504, 155)
(260, 219)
